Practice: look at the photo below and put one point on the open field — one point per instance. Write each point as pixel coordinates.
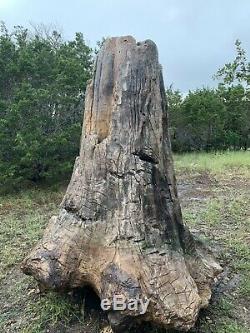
(214, 190)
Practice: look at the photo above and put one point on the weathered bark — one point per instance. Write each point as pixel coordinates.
(120, 228)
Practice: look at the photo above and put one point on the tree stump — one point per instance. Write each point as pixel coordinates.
(120, 229)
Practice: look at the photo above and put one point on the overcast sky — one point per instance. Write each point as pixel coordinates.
(194, 37)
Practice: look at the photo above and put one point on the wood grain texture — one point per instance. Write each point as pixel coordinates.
(120, 228)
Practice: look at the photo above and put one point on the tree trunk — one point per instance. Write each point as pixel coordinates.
(120, 229)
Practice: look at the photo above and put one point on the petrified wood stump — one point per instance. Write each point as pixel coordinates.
(120, 229)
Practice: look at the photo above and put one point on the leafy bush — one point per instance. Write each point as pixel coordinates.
(214, 119)
(42, 85)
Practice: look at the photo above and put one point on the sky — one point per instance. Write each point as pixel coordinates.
(194, 37)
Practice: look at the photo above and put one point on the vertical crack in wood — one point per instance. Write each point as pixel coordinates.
(120, 226)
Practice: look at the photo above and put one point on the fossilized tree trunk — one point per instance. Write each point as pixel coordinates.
(120, 228)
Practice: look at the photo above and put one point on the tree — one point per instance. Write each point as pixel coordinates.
(120, 230)
(237, 71)
(237, 117)
(197, 121)
(174, 104)
(42, 89)
(235, 93)
(204, 117)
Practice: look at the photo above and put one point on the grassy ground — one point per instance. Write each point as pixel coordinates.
(214, 192)
(215, 196)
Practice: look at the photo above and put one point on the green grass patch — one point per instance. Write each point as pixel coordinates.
(48, 311)
(245, 286)
(211, 215)
(214, 162)
(23, 218)
(231, 327)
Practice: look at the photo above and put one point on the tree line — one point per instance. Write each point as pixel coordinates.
(42, 85)
(214, 119)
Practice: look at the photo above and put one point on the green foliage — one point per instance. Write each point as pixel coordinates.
(42, 85)
(174, 99)
(197, 121)
(214, 119)
(235, 92)
(237, 71)
(237, 118)
(42, 90)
